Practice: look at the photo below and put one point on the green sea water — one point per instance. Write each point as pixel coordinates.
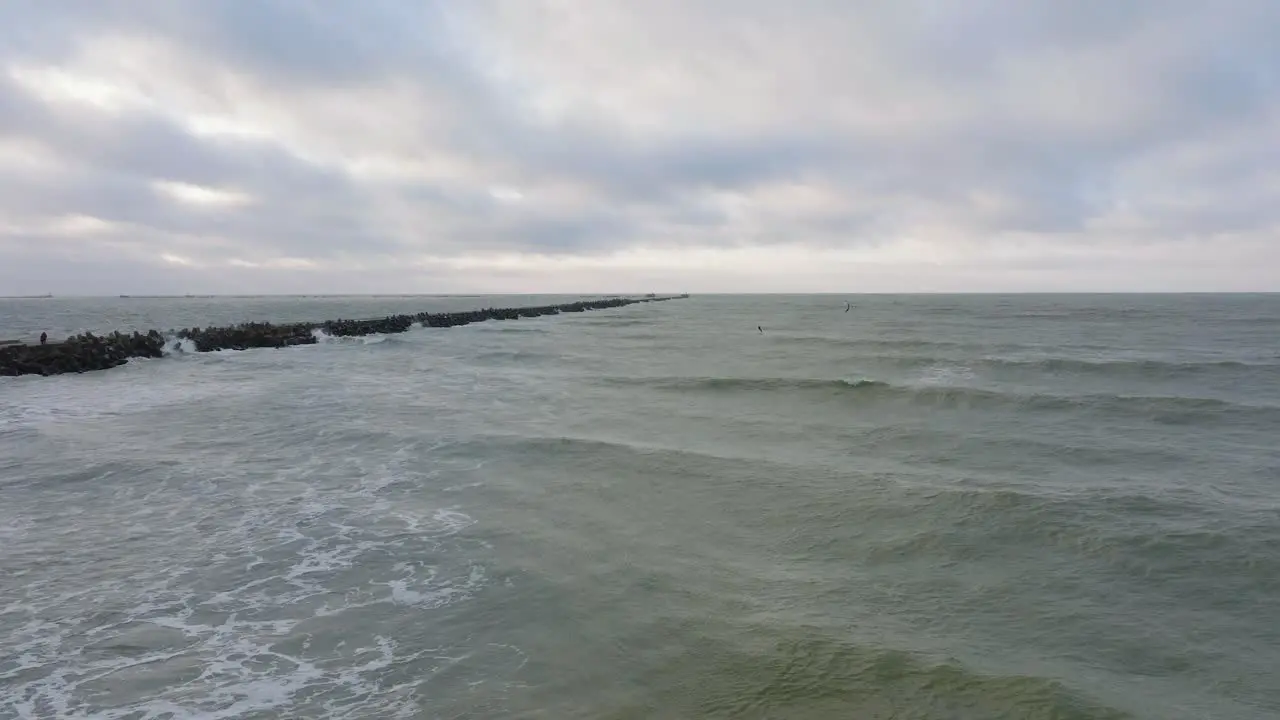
(942, 507)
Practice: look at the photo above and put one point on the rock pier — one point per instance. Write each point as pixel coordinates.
(79, 353)
(85, 352)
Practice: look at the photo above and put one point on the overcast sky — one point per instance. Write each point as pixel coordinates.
(280, 146)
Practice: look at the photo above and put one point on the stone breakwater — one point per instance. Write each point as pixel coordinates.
(85, 352)
(79, 353)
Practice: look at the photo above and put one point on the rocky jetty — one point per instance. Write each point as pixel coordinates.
(89, 352)
(249, 335)
(79, 353)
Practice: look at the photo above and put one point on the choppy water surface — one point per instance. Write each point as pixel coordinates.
(927, 507)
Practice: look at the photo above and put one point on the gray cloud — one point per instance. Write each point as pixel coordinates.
(391, 136)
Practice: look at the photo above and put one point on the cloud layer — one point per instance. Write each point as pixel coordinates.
(171, 146)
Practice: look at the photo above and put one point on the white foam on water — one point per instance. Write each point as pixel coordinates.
(234, 620)
(34, 402)
(174, 345)
(945, 375)
(404, 591)
(325, 338)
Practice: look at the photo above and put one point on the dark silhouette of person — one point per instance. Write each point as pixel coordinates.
(44, 338)
(760, 329)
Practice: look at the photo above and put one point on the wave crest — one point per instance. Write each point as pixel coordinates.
(1167, 408)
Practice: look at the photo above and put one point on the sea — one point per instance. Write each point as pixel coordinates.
(1051, 507)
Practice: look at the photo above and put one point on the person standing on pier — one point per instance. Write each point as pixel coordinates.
(44, 338)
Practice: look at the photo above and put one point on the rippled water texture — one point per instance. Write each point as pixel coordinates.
(926, 507)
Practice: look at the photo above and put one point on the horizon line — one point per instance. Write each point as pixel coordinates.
(197, 296)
